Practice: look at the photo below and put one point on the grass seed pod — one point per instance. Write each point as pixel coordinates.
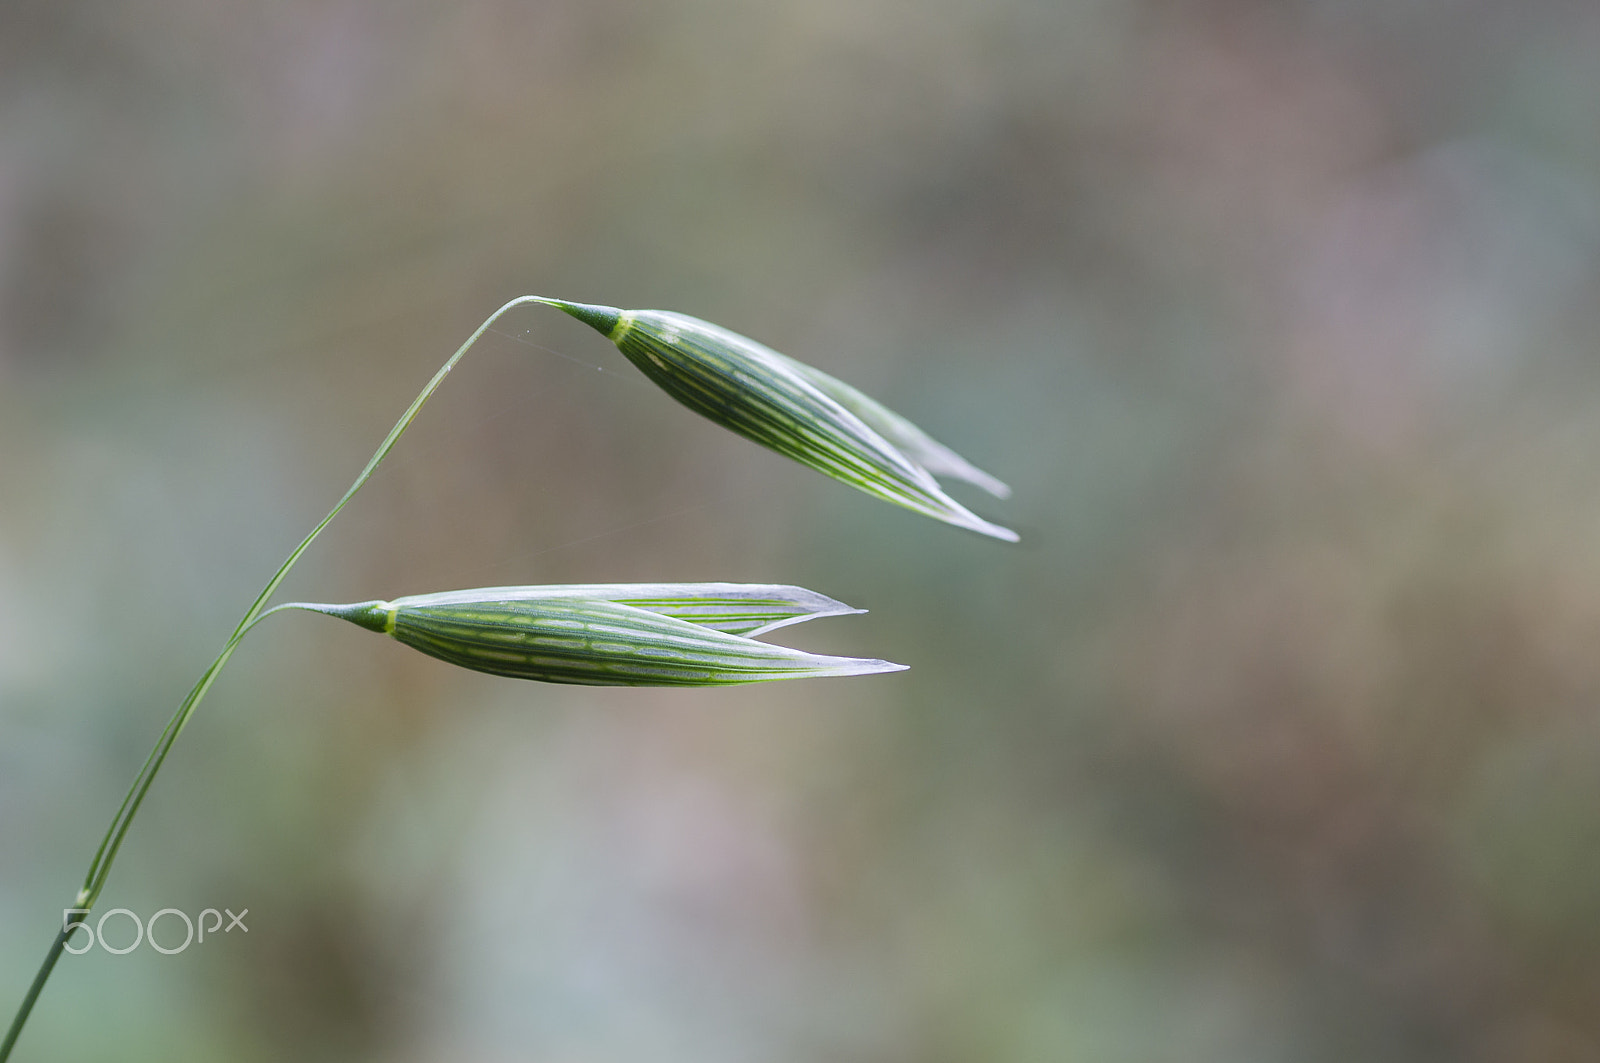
(582, 634)
(793, 409)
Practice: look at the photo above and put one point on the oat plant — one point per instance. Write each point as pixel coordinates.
(668, 634)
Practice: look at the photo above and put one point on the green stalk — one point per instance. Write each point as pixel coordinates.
(106, 855)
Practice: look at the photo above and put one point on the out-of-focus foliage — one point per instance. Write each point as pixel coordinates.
(1277, 739)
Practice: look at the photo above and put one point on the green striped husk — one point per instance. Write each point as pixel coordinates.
(912, 441)
(793, 409)
(641, 634)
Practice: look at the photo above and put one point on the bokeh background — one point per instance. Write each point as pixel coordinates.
(1277, 739)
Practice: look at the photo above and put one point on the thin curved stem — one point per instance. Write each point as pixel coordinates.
(36, 988)
(100, 868)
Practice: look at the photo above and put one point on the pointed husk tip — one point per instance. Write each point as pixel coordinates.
(994, 531)
(838, 666)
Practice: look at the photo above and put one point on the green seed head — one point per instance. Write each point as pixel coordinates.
(793, 409)
(613, 634)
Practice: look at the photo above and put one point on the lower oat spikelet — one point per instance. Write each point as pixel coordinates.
(658, 634)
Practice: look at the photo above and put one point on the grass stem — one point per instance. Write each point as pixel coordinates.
(100, 868)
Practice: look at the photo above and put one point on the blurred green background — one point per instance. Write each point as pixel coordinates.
(1276, 739)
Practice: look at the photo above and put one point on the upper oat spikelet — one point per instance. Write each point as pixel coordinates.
(622, 634)
(794, 409)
